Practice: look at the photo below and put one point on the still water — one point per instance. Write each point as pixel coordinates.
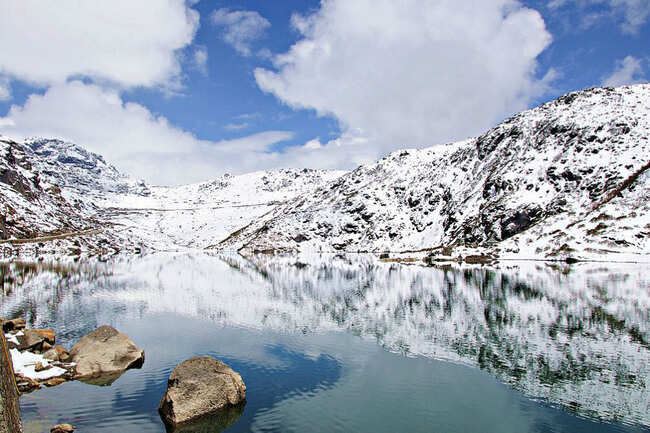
(331, 343)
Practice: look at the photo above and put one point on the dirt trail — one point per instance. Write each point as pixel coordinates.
(51, 237)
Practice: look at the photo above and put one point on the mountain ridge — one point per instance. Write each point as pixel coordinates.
(550, 164)
(567, 179)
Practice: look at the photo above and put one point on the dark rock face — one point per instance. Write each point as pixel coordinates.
(519, 221)
(18, 182)
(199, 387)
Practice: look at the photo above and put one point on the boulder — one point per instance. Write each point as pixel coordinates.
(57, 353)
(40, 367)
(47, 334)
(105, 351)
(29, 340)
(199, 387)
(13, 324)
(62, 428)
(54, 381)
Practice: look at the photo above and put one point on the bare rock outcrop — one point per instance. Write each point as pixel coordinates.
(199, 387)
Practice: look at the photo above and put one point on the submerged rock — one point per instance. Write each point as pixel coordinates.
(199, 387)
(213, 423)
(105, 351)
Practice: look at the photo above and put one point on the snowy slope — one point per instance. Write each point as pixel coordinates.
(52, 188)
(49, 190)
(204, 214)
(569, 178)
(30, 203)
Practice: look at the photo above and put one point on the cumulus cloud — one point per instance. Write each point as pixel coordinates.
(409, 73)
(240, 28)
(144, 145)
(126, 42)
(627, 71)
(632, 14)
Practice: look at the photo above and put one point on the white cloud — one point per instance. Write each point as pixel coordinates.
(200, 59)
(628, 71)
(632, 14)
(144, 145)
(5, 89)
(410, 73)
(236, 126)
(240, 28)
(130, 43)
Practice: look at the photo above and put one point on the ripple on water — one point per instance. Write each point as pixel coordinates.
(350, 344)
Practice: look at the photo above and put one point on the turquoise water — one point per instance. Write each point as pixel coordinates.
(350, 344)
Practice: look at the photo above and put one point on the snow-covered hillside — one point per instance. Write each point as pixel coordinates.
(569, 178)
(203, 214)
(49, 190)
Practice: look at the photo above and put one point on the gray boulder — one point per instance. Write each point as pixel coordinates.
(199, 387)
(105, 351)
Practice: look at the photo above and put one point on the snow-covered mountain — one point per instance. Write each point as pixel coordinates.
(56, 197)
(49, 191)
(32, 202)
(203, 214)
(569, 178)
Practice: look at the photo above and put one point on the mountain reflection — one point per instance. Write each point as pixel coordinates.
(574, 336)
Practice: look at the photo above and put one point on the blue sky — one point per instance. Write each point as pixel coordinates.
(177, 91)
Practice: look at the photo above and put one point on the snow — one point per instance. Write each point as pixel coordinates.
(201, 215)
(14, 337)
(25, 363)
(536, 184)
(552, 164)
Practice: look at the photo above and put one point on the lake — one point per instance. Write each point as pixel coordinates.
(348, 343)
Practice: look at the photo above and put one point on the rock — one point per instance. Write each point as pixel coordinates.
(215, 423)
(45, 346)
(105, 351)
(54, 381)
(47, 334)
(25, 384)
(64, 356)
(62, 428)
(13, 324)
(30, 339)
(57, 353)
(51, 355)
(198, 387)
(40, 367)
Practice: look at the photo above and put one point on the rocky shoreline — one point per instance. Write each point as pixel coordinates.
(198, 388)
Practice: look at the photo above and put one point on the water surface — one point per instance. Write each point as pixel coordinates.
(350, 344)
